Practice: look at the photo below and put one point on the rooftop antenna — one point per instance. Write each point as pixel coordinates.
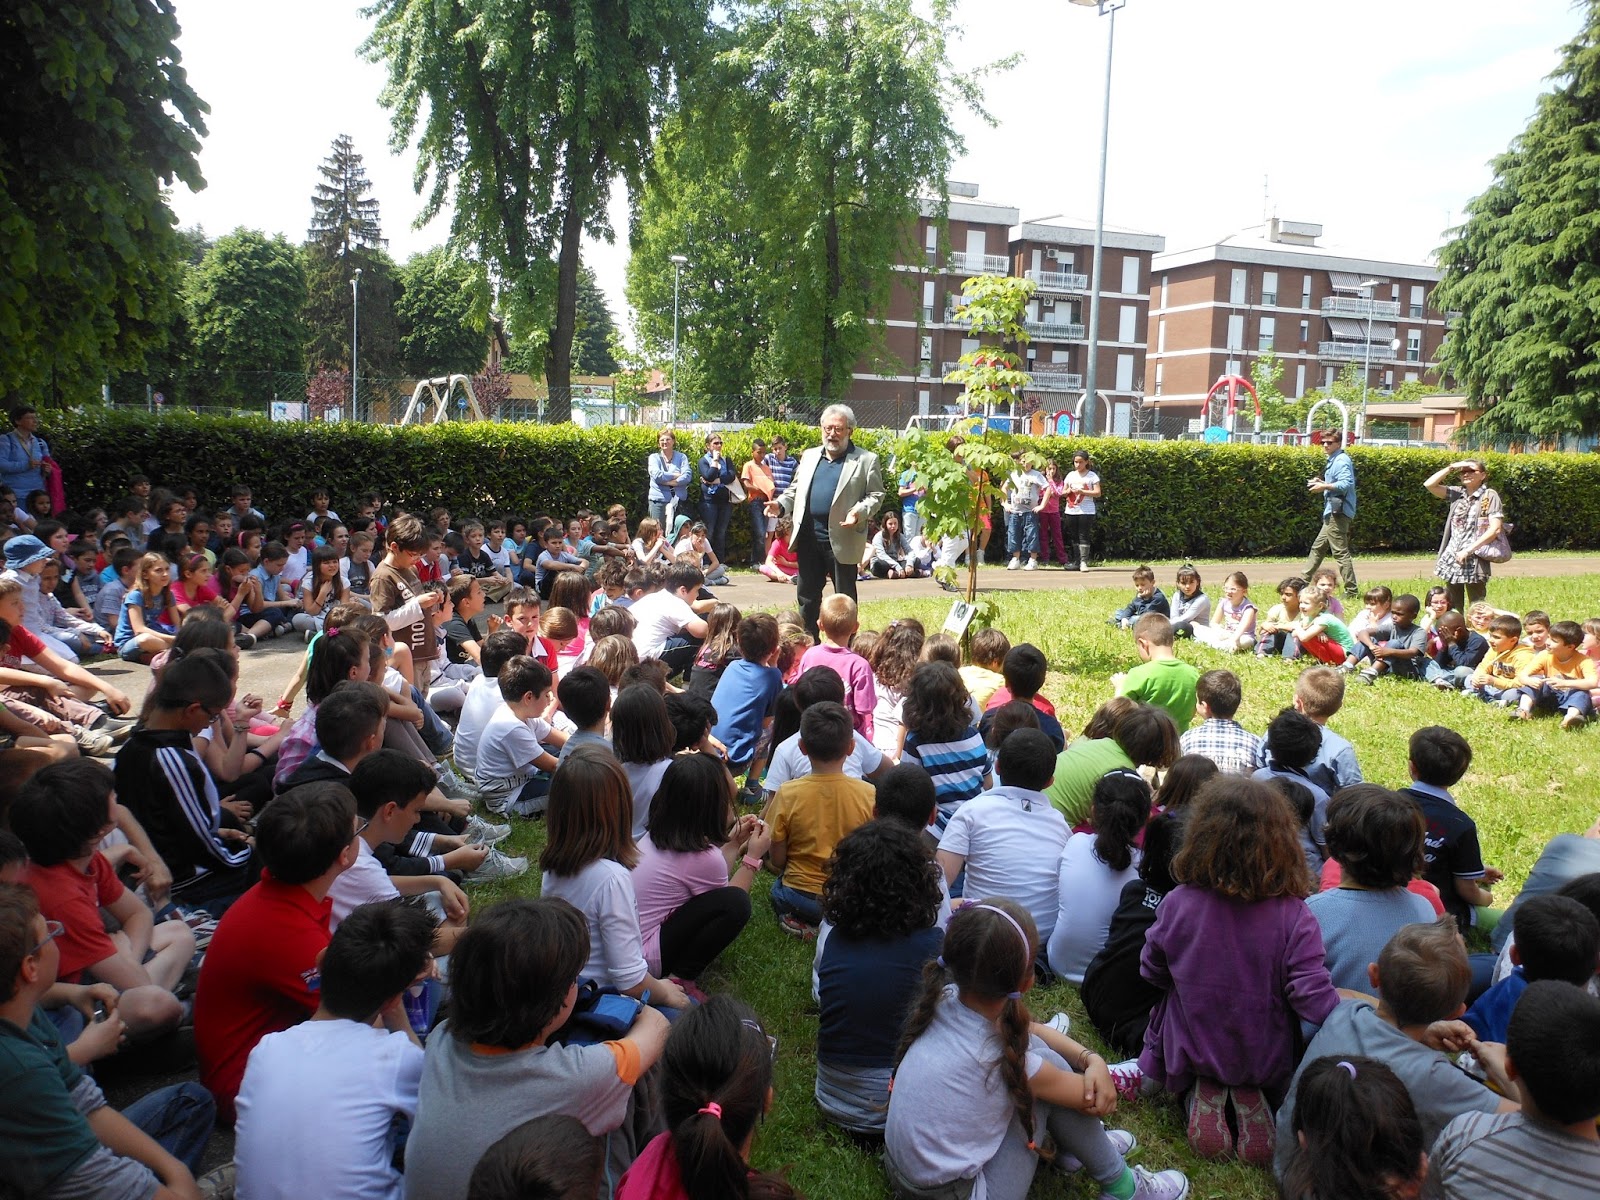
(1266, 199)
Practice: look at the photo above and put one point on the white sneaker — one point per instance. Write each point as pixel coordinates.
(1156, 1185)
(498, 866)
(452, 785)
(482, 833)
(1129, 1079)
(1082, 566)
(1061, 1022)
(1033, 565)
(1125, 1143)
(1013, 564)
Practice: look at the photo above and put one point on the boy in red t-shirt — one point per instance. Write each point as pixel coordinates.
(61, 815)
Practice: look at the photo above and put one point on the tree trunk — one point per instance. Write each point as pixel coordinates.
(558, 357)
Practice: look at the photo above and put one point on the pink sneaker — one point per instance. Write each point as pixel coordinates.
(1258, 1132)
(1209, 1135)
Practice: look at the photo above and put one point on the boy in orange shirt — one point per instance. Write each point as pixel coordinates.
(1559, 678)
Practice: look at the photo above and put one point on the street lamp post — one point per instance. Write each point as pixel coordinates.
(1091, 374)
(355, 327)
(678, 261)
(1366, 285)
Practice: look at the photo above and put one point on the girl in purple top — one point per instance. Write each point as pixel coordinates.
(1240, 960)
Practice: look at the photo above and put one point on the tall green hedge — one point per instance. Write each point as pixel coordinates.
(1163, 499)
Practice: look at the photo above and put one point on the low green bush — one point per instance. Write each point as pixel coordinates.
(1163, 499)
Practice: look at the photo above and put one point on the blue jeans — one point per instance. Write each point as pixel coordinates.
(1488, 693)
(1550, 696)
(179, 1119)
(787, 902)
(910, 523)
(435, 733)
(716, 513)
(758, 532)
(1022, 533)
(1457, 675)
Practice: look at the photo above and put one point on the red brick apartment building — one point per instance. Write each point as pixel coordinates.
(925, 338)
(1214, 309)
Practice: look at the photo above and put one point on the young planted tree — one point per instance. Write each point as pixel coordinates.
(962, 472)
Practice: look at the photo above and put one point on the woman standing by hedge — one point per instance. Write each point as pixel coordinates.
(22, 454)
(1475, 520)
(1078, 506)
(716, 506)
(669, 478)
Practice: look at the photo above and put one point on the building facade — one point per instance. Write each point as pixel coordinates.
(925, 335)
(1215, 309)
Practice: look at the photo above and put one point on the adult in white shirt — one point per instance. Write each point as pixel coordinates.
(666, 625)
(1010, 838)
(318, 1100)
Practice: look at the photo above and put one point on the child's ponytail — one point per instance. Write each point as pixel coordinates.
(1121, 808)
(334, 656)
(716, 1076)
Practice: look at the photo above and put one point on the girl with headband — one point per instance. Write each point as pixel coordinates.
(982, 1092)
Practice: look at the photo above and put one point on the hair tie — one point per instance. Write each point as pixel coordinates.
(940, 961)
(1348, 1066)
(330, 633)
(1013, 995)
(715, 1109)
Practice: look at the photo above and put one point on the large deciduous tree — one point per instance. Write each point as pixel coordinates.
(443, 310)
(346, 236)
(523, 111)
(814, 135)
(96, 115)
(1523, 269)
(245, 300)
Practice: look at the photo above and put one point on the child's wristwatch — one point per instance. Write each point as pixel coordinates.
(753, 863)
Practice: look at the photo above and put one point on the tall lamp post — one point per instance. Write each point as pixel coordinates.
(678, 261)
(355, 327)
(1366, 285)
(1091, 381)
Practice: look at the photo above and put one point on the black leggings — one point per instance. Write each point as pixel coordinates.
(702, 928)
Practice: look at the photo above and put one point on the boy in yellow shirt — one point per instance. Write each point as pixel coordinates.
(1559, 678)
(1495, 680)
(983, 675)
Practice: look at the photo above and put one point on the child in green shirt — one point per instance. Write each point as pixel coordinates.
(1161, 678)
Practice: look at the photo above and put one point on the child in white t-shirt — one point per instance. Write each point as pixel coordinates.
(318, 1101)
(511, 752)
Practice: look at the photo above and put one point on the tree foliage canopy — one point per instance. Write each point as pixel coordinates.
(95, 117)
(246, 298)
(523, 112)
(1523, 269)
(443, 309)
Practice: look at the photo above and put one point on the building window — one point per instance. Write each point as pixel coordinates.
(1269, 288)
(1418, 294)
(924, 402)
(1305, 292)
(1159, 367)
(1163, 291)
(925, 349)
(1269, 326)
(1128, 323)
(1235, 332)
(1305, 332)
(1327, 379)
(1411, 376)
(931, 244)
(1300, 381)
(1413, 345)
(1130, 275)
(927, 302)
(1232, 367)
(1161, 336)
(1388, 380)
(1238, 286)
(1124, 372)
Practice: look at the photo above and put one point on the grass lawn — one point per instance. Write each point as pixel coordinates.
(1528, 782)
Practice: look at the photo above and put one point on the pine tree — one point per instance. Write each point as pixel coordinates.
(1523, 270)
(345, 236)
(591, 345)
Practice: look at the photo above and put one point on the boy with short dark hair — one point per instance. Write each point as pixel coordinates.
(1559, 678)
(399, 597)
(1421, 978)
(585, 697)
(810, 814)
(1439, 757)
(1556, 938)
(1400, 653)
(748, 691)
(1290, 747)
(1550, 1148)
(317, 1102)
(1024, 670)
(260, 970)
(108, 601)
(837, 623)
(1536, 630)
(986, 656)
(668, 622)
(1161, 678)
(513, 767)
(479, 562)
(1460, 651)
(1495, 679)
(552, 560)
(1147, 598)
(1234, 749)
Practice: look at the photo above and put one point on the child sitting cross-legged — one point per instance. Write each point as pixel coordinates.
(1549, 1149)
(1321, 634)
(1275, 634)
(491, 1065)
(586, 701)
(1495, 679)
(1239, 959)
(1147, 598)
(513, 764)
(984, 674)
(1460, 651)
(1093, 870)
(1024, 670)
(1161, 678)
(1559, 678)
(1421, 977)
(332, 1088)
(1402, 652)
(61, 814)
(982, 1092)
(747, 693)
(1218, 737)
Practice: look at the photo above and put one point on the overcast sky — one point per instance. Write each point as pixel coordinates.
(1376, 118)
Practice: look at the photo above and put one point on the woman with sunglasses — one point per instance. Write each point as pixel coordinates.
(1473, 523)
(716, 473)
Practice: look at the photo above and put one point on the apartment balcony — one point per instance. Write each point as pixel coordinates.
(953, 316)
(1054, 331)
(978, 264)
(946, 368)
(1355, 352)
(1059, 281)
(1361, 307)
(1048, 379)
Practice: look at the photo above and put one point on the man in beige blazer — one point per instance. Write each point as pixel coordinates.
(836, 492)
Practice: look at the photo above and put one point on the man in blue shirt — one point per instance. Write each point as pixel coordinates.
(1338, 487)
